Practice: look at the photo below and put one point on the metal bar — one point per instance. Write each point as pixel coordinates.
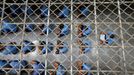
(96, 33)
(23, 34)
(123, 50)
(71, 43)
(48, 23)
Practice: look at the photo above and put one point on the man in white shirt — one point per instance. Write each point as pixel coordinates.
(103, 38)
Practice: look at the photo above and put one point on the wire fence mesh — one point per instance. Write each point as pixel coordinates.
(67, 37)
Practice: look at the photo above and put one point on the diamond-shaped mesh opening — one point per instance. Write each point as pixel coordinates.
(1, 1)
(23, 72)
(38, 1)
(82, 0)
(14, 12)
(1, 10)
(12, 72)
(37, 13)
(83, 12)
(2, 72)
(107, 12)
(60, 13)
(37, 72)
(127, 12)
(15, 1)
(106, 1)
(60, 1)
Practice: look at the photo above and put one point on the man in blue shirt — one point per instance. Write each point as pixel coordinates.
(7, 27)
(83, 10)
(84, 30)
(62, 30)
(84, 67)
(2, 63)
(28, 46)
(11, 49)
(16, 64)
(30, 27)
(44, 11)
(85, 45)
(107, 38)
(46, 29)
(43, 48)
(64, 13)
(16, 10)
(37, 66)
(60, 70)
(62, 47)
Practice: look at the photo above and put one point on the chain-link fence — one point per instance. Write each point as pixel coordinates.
(67, 37)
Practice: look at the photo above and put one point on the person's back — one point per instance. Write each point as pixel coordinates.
(28, 46)
(64, 13)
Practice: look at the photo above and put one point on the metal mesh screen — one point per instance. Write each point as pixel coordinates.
(37, 34)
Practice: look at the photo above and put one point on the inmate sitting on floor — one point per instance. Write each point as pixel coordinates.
(107, 38)
(59, 69)
(84, 68)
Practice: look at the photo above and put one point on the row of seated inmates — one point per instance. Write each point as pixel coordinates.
(15, 10)
(40, 47)
(61, 30)
(37, 66)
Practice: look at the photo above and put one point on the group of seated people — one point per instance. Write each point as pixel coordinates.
(61, 30)
(84, 45)
(28, 47)
(36, 65)
(42, 10)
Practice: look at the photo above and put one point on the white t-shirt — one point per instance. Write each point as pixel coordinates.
(102, 37)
